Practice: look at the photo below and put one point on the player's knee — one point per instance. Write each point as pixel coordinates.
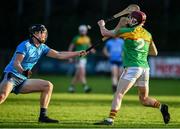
(119, 94)
(2, 97)
(48, 86)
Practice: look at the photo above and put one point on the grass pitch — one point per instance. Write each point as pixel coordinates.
(80, 110)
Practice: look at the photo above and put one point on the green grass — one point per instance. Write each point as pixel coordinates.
(81, 110)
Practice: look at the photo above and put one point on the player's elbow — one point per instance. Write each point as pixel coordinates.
(61, 56)
(156, 53)
(104, 34)
(153, 53)
(107, 33)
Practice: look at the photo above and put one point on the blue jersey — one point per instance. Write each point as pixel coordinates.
(31, 56)
(114, 47)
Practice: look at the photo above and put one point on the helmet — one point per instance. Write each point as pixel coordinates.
(38, 28)
(139, 16)
(83, 29)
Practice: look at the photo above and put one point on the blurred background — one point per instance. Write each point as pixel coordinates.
(62, 18)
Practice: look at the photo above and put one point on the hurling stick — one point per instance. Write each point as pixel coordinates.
(129, 9)
(96, 44)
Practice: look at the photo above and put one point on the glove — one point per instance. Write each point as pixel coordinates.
(27, 73)
(83, 53)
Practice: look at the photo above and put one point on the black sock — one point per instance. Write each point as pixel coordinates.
(114, 87)
(43, 112)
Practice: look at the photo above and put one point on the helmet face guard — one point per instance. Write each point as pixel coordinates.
(34, 29)
(133, 22)
(137, 18)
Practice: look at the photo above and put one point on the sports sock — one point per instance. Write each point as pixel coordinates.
(157, 104)
(112, 114)
(114, 87)
(43, 112)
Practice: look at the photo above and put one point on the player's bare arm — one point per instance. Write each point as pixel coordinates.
(105, 32)
(112, 33)
(64, 55)
(152, 49)
(122, 23)
(17, 63)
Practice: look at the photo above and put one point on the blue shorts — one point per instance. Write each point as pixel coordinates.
(17, 82)
(116, 63)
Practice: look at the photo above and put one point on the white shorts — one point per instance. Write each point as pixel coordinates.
(139, 76)
(81, 62)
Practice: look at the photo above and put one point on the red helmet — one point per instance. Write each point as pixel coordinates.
(139, 16)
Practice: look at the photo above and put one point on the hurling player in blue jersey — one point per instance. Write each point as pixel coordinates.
(113, 50)
(16, 75)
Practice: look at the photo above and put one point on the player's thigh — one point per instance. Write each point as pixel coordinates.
(78, 70)
(6, 84)
(35, 85)
(82, 70)
(78, 73)
(143, 80)
(123, 86)
(143, 84)
(81, 62)
(120, 71)
(131, 74)
(6, 87)
(128, 78)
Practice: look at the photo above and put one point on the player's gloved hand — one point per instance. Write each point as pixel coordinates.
(27, 73)
(83, 53)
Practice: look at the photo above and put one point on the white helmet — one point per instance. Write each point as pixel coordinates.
(83, 29)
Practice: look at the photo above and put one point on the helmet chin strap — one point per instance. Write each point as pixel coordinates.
(131, 25)
(37, 38)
